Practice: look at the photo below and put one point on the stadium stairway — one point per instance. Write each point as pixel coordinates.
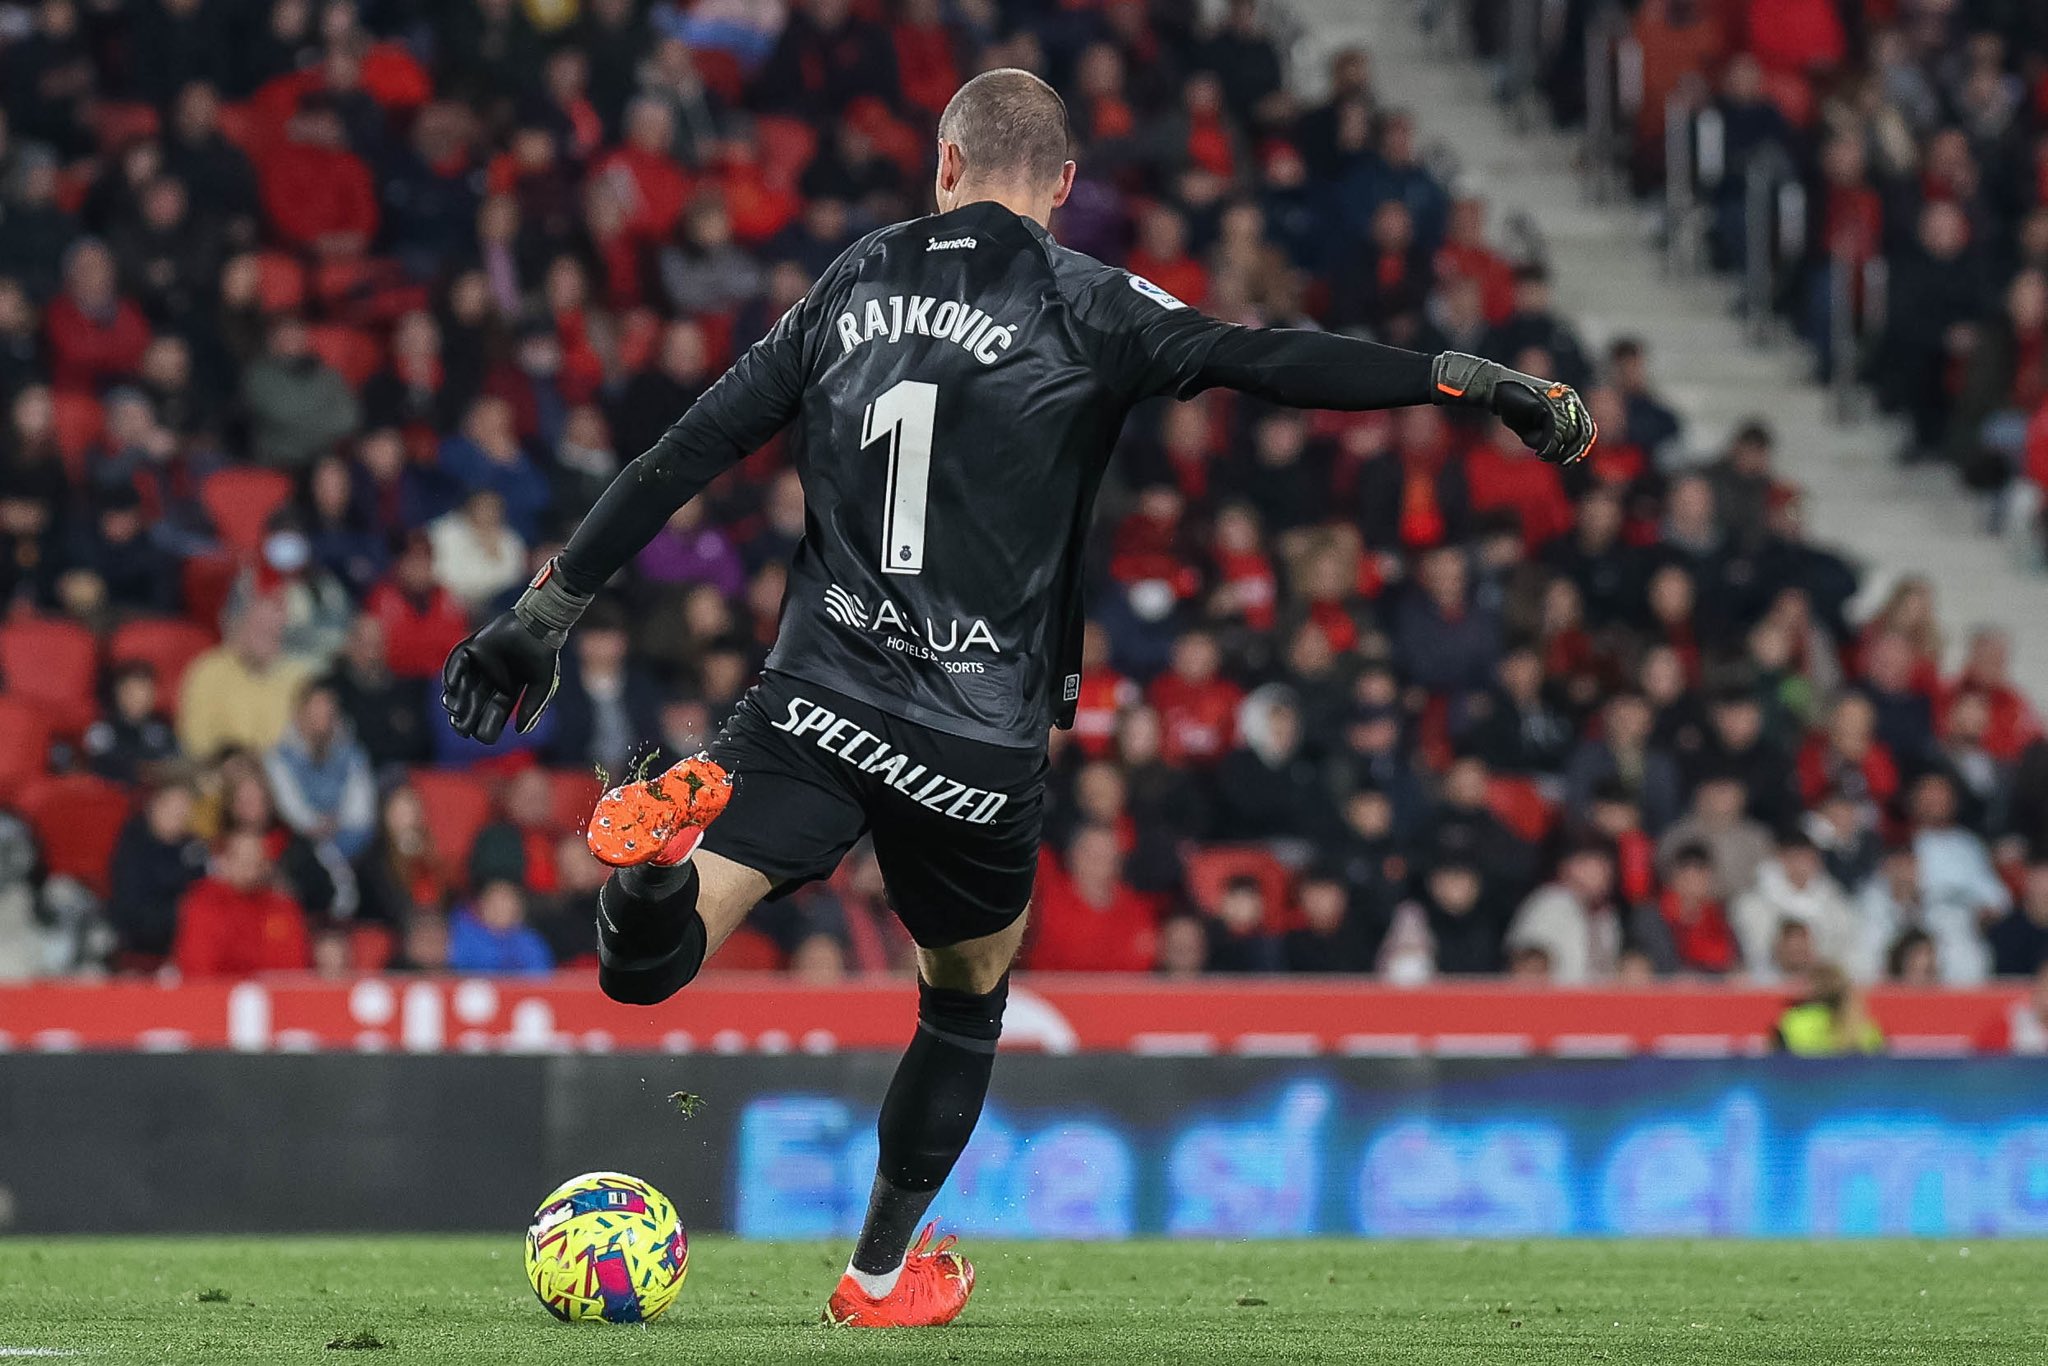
(1609, 280)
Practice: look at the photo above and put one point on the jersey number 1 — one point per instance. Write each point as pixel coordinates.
(904, 415)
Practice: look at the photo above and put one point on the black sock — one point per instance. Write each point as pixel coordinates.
(933, 1104)
(650, 939)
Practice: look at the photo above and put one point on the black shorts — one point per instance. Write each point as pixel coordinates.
(956, 821)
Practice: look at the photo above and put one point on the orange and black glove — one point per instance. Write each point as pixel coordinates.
(1550, 417)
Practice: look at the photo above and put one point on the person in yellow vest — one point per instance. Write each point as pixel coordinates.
(240, 693)
(1830, 1021)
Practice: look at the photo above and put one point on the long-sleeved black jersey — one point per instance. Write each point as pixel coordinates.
(957, 384)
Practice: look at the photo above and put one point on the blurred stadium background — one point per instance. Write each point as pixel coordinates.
(1449, 845)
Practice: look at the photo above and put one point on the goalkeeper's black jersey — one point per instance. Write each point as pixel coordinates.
(955, 385)
(964, 380)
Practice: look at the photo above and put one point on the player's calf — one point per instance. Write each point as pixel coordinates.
(933, 1104)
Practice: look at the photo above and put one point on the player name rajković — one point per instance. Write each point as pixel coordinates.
(896, 317)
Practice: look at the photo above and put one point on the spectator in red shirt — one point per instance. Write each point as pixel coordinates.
(924, 53)
(236, 921)
(1849, 758)
(422, 620)
(1086, 918)
(1797, 36)
(95, 335)
(1245, 585)
(1415, 497)
(643, 173)
(1987, 671)
(1618, 459)
(1211, 145)
(1699, 927)
(1149, 542)
(1509, 480)
(1105, 694)
(1161, 256)
(1102, 113)
(1465, 255)
(758, 203)
(317, 194)
(1197, 706)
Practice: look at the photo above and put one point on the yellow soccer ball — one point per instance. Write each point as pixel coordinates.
(606, 1247)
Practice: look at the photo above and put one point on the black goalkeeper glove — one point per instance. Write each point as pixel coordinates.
(1550, 418)
(511, 667)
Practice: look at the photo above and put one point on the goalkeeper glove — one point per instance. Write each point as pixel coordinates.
(510, 668)
(1550, 418)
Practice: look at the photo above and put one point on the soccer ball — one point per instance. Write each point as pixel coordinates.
(606, 1246)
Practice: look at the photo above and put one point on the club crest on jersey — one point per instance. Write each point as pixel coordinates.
(936, 641)
(950, 244)
(1153, 292)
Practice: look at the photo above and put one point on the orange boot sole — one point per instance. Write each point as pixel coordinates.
(659, 820)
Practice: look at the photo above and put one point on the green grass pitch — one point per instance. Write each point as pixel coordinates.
(434, 1300)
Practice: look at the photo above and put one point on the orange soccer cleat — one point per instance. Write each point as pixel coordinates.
(931, 1289)
(659, 820)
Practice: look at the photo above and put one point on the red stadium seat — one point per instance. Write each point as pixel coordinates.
(366, 290)
(1211, 870)
(280, 282)
(55, 665)
(80, 423)
(167, 644)
(458, 805)
(370, 947)
(721, 73)
(1521, 807)
(748, 951)
(240, 502)
(76, 819)
(892, 137)
(576, 791)
(205, 584)
(24, 744)
(639, 339)
(1793, 94)
(787, 146)
(354, 353)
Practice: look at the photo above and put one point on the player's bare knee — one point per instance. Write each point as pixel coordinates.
(975, 966)
(727, 893)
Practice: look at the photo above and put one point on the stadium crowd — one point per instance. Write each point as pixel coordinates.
(1919, 129)
(321, 324)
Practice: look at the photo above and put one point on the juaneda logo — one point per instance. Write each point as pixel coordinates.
(950, 244)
